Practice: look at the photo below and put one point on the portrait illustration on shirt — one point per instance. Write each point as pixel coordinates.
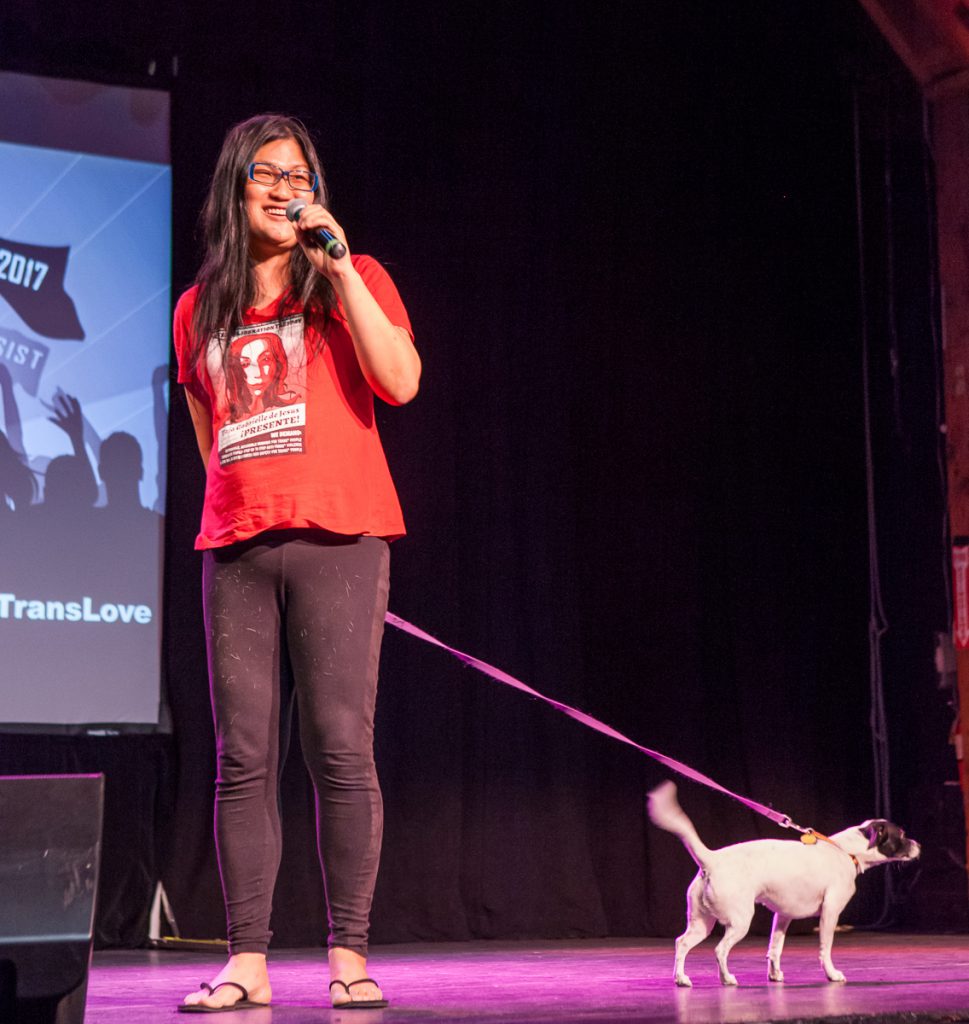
(260, 384)
(256, 371)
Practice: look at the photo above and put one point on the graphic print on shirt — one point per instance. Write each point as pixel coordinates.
(260, 386)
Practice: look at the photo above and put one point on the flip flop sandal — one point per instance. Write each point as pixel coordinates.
(357, 1004)
(245, 1003)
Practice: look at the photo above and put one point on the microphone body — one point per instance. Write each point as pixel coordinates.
(332, 245)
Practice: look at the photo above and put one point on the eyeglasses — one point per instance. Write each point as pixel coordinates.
(268, 174)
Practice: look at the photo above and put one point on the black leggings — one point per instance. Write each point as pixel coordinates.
(316, 600)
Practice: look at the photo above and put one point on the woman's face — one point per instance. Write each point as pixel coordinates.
(257, 364)
(270, 233)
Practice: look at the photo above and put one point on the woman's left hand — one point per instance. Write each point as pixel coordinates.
(312, 219)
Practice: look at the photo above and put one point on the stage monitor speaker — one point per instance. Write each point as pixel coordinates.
(50, 851)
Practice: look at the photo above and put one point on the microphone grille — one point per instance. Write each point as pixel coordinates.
(294, 208)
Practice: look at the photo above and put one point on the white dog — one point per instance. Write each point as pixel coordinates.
(793, 879)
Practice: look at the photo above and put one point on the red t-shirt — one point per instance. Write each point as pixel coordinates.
(295, 443)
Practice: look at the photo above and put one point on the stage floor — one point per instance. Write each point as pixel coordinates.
(891, 977)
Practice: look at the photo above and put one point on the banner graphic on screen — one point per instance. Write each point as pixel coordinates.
(23, 358)
(32, 281)
(85, 254)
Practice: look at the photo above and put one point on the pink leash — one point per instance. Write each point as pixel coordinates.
(593, 723)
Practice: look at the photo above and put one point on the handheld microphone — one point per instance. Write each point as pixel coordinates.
(332, 246)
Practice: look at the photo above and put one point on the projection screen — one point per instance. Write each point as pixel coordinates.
(85, 281)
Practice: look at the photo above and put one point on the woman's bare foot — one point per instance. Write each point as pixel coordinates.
(245, 969)
(348, 967)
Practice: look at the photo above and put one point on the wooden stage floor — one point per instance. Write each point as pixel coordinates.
(891, 977)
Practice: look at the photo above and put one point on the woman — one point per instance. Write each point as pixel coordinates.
(299, 507)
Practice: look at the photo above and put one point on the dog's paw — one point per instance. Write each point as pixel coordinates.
(683, 981)
(728, 979)
(835, 975)
(775, 974)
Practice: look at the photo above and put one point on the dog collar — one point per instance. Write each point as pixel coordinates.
(810, 837)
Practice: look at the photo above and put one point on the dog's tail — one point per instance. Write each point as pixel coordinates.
(665, 811)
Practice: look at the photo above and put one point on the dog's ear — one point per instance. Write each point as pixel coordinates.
(874, 831)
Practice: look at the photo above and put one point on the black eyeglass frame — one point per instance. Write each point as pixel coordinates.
(280, 174)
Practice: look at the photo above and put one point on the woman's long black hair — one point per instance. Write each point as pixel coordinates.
(227, 283)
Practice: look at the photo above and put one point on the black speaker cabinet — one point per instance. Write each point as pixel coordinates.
(50, 851)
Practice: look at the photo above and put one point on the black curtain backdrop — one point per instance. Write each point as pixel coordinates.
(635, 475)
